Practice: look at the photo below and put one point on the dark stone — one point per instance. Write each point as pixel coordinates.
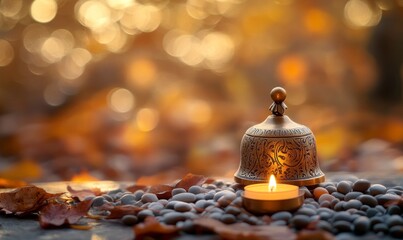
(286, 216)
(324, 225)
(98, 201)
(144, 213)
(184, 197)
(182, 207)
(342, 226)
(331, 189)
(300, 221)
(396, 232)
(361, 185)
(361, 225)
(176, 191)
(173, 218)
(393, 210)
(375, 220)
(149, 197)
(377, 189)
(380, 227)
(368, 200)
(352, 195)
(232, 210)
(339, 206)
(344, 187)
(352, 204)
(338, 195)
(228, 218)
(394, 220)
(196, 189)
(129, 220)
(306, 211)
(344, 216)
(388, 197)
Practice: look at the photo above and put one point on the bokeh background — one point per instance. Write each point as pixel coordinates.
(120, 89)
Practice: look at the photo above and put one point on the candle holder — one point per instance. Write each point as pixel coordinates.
(281, 147)
(261, 206)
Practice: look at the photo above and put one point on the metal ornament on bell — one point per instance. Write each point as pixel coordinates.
(280, 147)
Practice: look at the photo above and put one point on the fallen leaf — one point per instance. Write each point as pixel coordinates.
(245, 231)
(190, 180)
(134, 188)
(162, 191)
(152, 228)
(314, 235)
(84, 193)
(62, 214)
(117, 212)
(25, 199)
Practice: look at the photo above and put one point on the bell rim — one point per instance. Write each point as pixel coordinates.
(297, 182)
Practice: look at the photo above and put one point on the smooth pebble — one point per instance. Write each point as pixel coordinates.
(173, 217)
(352, 204)
(228, 218)
(182, 207)
(380, 227)
(98, 201)
(177, 191)
(368, 200)
(377, 189)
(342, 226)
(149, 197)
(184, 197)
(361, 185)
(300, 221)
(361, 225)
(129, 220)
(344, 187)
(352, 195)
(319, 191)
(396, 232)
(283, 215)
(394, 220)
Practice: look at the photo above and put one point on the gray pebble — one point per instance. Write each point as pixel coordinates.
(364, 208)
(227, 193)
(165, 211)
(182, 207)
(352, 195)
(200, 196)
(149, 197)
(138, 194)
(225, 200)
(164, 202)
(342, 226)
(394, 210)
(219, 183)
(177, 191)
(331, 189)
(394, 220)
(155, 206)
(307, 193)
(368, 200)
(339, 206)
(98, 201)
(228, 218)
(187, 226)
(190, 215)
(325, 197)
(324, 226)
(215, 215)
(334, 202)
(209, 195)
(283, 215)
(352, 204)
(388, 197)
(200, 204)
(211, 186)
(171, 204)
(237, 202)
(338, 195)
(325, 216)
(300, 221)
(184, 197)
(196, 189)
(345, 216)
(361, 213)
(128, 199)
(144, 213)
(380, 227)
(232, 210)
(375, 220)
(361, 185)
(278, 223)
(381, 209)
(252, 220)
(305, 211)
(325, 204)
(108, 198)
(377, 189)
(395, 191)
(396, 232)
(173, 217)
(129, 220)
(361, 225)
(344, 187)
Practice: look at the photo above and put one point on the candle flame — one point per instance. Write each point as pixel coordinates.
(272, 183)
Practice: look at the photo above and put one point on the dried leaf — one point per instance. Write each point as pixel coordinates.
(152, 228)
(62, 214)
(190, 180)
(162, 191)
(245, 231)
(117, 212)
(25, 199)
(317, 235)
(134, 188)
(84, 193)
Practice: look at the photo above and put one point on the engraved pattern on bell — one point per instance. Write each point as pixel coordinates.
(281, 147)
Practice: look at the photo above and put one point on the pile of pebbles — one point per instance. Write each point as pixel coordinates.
(346, 207)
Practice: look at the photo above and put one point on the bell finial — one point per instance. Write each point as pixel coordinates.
(278, 94)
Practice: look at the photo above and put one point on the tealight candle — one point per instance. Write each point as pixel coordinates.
(272, 197)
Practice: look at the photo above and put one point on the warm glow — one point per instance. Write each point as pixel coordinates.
(147, 119)
(121, 100)
(141, 73)
(10, 8)
(359, 13)
(292, 70)
(272, 183)
(43, 11)
(7, 53)
(94, 14)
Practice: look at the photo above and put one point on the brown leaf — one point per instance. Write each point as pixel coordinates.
(245, 231)
(134, 188)
(190, 180)
(84, 193)
(316, 235)
(117, 212)
(152, 228)
(25, 199)
(162, 191)
(62, 214)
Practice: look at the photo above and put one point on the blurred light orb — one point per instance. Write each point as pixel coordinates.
(66, 37)
(147, 119)
(120, 4)
(81, 56)
(43, 11)
(53, 96)
(217, 47)
(93, 14)
(121, 100)
(10, 8)
(292, 70)
(34, 36)
(6, 53)
(53, 50)
(359, 13)
(141, 73)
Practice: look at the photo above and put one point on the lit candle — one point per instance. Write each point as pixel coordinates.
(271, 191)
(272, 197)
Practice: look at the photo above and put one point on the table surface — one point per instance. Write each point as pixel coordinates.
(12, 228)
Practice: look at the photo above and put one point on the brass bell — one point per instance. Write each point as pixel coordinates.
(280, 147)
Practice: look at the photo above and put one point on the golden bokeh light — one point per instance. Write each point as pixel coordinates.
(93, 14)
(6, 53)
(147, 119)
(53, 96)
(34, 36)
(218, 48)
(53, 50)
(80, 56)
(69, 69)
(10, 8)
(121, 100)
(120, 4)
(360, 13)
(292, 70)
(191, 112)
(141, 73)
(43, 11)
